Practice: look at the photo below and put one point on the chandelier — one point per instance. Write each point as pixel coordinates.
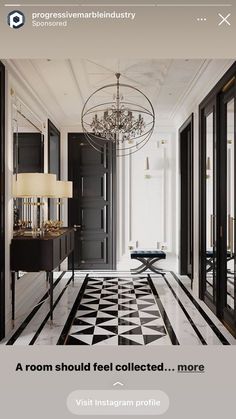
(120, 114)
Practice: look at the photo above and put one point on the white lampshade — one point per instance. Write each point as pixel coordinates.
(63, 189)
(34, 185)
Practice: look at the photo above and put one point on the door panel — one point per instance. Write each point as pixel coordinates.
(94, 251)
(92, 206)
(93, 186)
(94, 219)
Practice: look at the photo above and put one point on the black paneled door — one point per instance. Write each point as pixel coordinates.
(92, 209)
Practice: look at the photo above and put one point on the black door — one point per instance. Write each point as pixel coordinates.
(2, 201)
(218, 200)
(92, 209)
(227, 268)
(186, 200)
(209, 240)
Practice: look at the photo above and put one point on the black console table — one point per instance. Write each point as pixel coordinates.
(43, 253)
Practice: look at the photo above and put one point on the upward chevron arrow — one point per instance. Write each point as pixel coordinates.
(118, 384)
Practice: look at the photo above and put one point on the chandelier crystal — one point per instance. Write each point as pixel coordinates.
(128, 124)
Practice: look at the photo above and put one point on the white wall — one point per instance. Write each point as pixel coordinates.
(145, 205)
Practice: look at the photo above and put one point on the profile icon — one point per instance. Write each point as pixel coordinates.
(16, 19)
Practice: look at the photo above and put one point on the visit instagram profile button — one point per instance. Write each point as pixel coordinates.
(118, 402)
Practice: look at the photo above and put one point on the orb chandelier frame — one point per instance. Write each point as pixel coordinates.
(126, 124)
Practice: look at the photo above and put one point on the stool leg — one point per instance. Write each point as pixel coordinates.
(141, 268)
(152, 268)
(148, 263)
(157, 271)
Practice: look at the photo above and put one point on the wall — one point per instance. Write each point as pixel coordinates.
(146, 216)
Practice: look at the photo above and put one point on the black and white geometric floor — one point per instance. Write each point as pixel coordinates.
(114, 308)
(118, 311)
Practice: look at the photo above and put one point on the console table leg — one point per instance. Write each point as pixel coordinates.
(13, 293)
(51, 294)
(73, 267)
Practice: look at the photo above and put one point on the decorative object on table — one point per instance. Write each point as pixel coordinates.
(52, 226)
(128, 124)
(22, 227)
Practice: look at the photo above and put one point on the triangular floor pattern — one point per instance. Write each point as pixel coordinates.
(118, 311)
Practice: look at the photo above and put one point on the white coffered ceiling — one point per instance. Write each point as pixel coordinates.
(64, 85)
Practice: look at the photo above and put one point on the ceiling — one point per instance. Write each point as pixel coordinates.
(64, 85)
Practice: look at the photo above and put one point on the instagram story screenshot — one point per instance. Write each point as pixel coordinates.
(117, 209)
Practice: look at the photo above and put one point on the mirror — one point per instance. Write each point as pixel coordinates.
(210, 207)
(54, 144)
(230, 205)
(28, 156)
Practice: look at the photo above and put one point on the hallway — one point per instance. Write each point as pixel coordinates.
(98, 205)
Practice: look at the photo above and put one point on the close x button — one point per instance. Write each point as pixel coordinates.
(224, 20)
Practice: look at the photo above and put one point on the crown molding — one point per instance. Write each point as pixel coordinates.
(20, 79)
(207, 77)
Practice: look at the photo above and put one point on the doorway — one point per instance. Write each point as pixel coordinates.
(2, 201)
(186, 197)
(218, 200)
(92, 210)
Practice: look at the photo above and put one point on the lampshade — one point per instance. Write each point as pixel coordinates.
(34, 185)
(63, 189)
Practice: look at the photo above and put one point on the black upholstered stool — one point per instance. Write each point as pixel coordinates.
(147, 259)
